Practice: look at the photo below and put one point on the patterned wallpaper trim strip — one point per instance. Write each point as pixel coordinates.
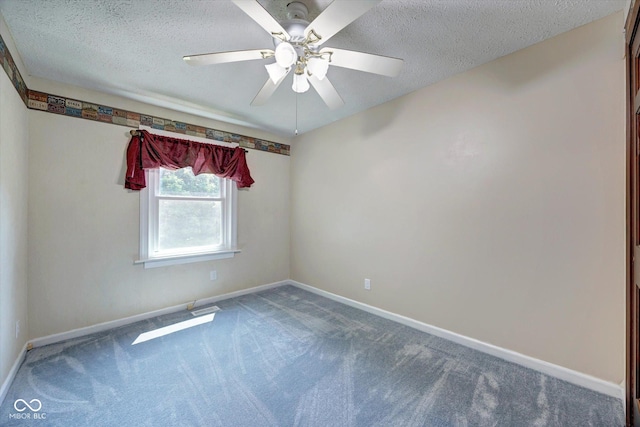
(86, 110)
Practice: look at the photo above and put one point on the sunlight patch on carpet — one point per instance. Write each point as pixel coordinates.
(166, 330)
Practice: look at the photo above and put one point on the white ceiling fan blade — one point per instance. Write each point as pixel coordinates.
(261, 16)
(338, 15)
(327, 92)
(223, 57)
(267, 90)
(377, 64)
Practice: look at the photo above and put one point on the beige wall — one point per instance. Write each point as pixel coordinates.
(13, 222)
(491, 204)
(84, 226)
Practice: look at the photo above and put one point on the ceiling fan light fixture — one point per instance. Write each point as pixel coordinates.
(300, 83)
(286, 55)
(317, 66)
(297, 46)
(276, 72)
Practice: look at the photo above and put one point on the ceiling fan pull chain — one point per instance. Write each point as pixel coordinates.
(296, 113)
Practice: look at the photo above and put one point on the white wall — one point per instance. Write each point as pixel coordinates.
(627, 9)
(13, 221)
(491, 204)
(84, 226)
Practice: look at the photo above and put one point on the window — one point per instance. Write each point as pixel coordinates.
(186, 218)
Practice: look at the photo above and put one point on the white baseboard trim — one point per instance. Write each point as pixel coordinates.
(557, 371)
(569, 375)
(12, 373)
(75, 333)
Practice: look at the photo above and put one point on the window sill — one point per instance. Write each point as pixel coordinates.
(186, 258)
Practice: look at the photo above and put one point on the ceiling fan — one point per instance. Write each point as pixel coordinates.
(298, 47)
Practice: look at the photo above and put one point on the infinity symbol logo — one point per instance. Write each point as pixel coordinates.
(37, 405)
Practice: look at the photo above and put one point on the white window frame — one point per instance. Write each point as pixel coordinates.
(149, 206)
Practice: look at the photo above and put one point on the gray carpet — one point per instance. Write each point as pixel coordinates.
(287, 357)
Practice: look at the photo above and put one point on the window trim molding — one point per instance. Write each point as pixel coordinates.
(186, 258)
(230, 228)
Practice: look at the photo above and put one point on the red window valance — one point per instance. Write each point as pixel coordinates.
(149, 151)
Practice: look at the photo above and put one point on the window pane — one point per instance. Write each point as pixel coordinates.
(181, 182)
(189, 223)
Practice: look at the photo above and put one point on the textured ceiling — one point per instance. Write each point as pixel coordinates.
(135, 49)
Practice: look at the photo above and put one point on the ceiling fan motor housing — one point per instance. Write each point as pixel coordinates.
(297, 10)
(295, 26)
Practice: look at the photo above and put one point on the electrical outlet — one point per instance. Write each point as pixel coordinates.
(367, 284)
(17, 329)
(213, 275)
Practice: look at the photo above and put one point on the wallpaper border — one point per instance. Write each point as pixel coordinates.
(69, 107)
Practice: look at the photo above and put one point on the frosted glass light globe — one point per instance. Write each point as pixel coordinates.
(286, 55)
(318, 67)
(300, 83)
(276, 72)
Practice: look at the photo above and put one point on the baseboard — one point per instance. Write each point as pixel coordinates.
(12, 373)
(569, 375)
(75, 333)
